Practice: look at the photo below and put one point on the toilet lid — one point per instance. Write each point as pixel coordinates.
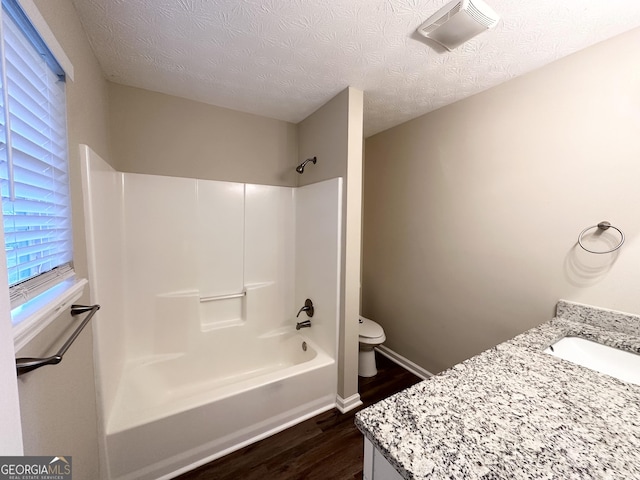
(370, 329)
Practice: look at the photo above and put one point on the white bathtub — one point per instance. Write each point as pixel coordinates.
(184, 370)
(176, 411)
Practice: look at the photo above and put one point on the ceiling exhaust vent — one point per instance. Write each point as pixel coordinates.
(458, 21)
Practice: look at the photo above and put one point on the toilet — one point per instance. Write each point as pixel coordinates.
(371, 335)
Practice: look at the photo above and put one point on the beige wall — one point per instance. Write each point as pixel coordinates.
(324, 134)
(333, 134)
(58, 402)
(160, 134)
(472, 212)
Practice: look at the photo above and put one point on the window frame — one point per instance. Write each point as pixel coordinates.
(61, 288)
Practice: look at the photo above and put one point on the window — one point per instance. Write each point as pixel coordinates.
(33, 160)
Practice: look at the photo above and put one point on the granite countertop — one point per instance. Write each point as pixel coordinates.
(515, 412)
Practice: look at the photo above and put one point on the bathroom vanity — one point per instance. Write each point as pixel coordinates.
(515, 411)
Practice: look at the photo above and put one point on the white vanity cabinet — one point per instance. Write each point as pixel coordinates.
(376, 467)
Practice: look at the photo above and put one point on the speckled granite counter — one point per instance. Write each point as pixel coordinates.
(515, 412)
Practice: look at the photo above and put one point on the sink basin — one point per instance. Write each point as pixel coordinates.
(622, 365)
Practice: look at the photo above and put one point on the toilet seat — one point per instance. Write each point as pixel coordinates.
(370, 332)
(372, 341)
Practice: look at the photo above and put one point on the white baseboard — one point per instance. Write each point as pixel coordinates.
(347, 404)
(405, 363)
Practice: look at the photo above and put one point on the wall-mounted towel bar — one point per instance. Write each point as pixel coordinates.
(213, 298)
(601, 226)
(24, 365)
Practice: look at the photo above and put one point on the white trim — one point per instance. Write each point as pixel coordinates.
(44, 309)
(405, 363)
(347, 404)
(47, 35)
(11, 436)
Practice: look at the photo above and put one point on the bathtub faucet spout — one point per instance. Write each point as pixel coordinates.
(304, 324)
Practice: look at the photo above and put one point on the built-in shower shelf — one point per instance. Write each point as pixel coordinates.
(213, 298)
(221, 311)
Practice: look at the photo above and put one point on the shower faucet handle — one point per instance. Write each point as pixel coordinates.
(308, 307)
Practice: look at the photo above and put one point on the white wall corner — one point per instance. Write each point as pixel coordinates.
(352, 234)
(347, 404)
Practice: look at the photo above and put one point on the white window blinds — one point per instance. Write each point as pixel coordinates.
(33, 160)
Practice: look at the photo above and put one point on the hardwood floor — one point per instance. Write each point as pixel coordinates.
(325, 447)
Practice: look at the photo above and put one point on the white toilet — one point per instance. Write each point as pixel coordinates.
(371, 335)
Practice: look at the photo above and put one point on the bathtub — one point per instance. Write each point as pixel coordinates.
(176, 411)
(196, 353)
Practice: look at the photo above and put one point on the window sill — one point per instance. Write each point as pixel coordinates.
(34, 316)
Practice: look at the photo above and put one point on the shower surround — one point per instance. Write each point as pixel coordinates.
(199, 282)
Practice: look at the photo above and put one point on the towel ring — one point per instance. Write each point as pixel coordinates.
(602, 226)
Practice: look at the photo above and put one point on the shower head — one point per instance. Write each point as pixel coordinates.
(300, 168)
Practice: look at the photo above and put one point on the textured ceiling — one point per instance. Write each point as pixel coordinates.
(285, 58)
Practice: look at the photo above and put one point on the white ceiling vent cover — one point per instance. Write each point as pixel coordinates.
(458, 21)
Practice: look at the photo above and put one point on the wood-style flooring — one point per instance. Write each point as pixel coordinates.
(325, 447)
